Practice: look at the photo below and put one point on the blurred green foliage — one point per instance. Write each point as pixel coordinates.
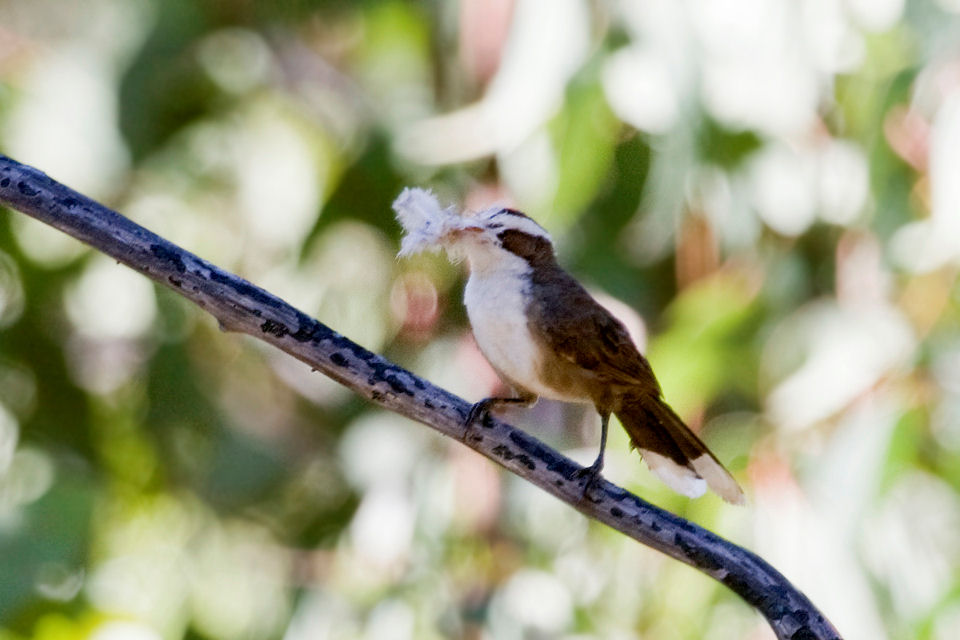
(765, 191)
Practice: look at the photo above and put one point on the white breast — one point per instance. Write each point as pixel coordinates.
(495, 305)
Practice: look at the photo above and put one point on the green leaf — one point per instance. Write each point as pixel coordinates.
(53, 531)
(709, 345)
(585, 135)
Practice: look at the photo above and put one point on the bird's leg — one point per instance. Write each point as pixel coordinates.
(593, 471)
(481, 409)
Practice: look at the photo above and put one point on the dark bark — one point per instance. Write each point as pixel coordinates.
(241, 306)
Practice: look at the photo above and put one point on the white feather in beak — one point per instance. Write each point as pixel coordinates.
(428, 226)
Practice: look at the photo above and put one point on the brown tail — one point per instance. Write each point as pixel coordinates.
(673, 452)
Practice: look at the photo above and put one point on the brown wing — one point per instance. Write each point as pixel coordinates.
(575, 327)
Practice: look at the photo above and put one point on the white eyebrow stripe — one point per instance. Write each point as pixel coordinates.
(520, 222)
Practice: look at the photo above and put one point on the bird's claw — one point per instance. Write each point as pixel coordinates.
(477, 413)
(592, 474)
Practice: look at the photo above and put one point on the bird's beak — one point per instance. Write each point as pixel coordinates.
(467, 231)
(464, 234)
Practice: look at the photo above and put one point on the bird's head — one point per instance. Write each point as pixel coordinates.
(487, 239)
(500, 234)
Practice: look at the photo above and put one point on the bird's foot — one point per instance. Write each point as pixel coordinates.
(591, 474)
(478, 413)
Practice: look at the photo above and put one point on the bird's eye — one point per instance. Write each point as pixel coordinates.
(495, 225)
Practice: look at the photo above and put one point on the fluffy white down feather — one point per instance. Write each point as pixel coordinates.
(425, 223)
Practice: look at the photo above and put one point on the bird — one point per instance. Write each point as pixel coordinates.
(546, 336)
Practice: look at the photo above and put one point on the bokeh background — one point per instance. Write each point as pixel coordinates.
(765, 190)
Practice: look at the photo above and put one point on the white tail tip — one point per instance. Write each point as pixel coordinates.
(676, 476)
(693, 483)
(719, 479)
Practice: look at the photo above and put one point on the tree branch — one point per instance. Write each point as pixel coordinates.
(241, 306)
